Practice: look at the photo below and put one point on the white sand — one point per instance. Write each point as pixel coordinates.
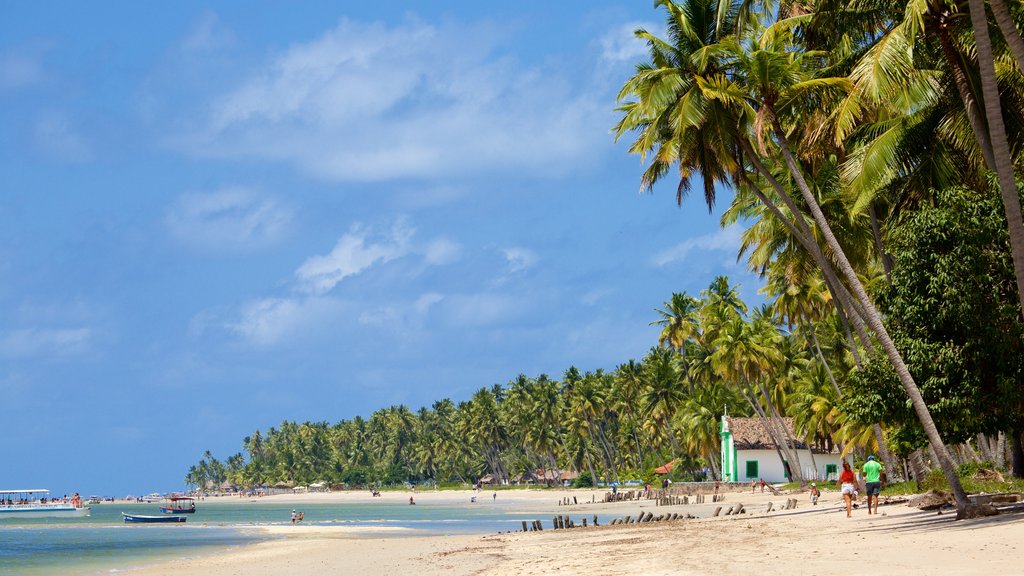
(809, 540)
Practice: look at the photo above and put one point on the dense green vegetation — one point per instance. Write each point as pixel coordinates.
(871, 149)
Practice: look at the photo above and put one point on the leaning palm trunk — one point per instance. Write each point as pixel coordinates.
(918, 467)
(781, 447)
(780, 424)
(966, 96)
(1000, 145)
(1009, 30)
(838, 290)
(874, 321)
(845, 300)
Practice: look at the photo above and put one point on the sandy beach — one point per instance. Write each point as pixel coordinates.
(807, 540)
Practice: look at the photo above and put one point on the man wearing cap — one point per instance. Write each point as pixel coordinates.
(872, 481)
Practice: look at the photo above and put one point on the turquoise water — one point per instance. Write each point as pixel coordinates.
(102, 542)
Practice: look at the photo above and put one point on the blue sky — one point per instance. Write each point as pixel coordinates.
(215, 217)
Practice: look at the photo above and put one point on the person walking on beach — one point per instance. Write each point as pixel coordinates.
(872, 481)
(847, 484)
(294, 517)
(815, 493)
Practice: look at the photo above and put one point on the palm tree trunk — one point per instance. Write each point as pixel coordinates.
(918, 467)
(780, 424)
(1000, 145)
(771, 432)
(768, 421)
(963, 87)
(883, 450)
(806, 239)
(1013, 38)
(824, 363)
(1016, 453)
(877, 234)
(874, 320)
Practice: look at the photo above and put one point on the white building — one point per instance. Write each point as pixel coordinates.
(749, 453)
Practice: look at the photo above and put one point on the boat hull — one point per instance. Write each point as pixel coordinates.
(29, 511)
(137, 519)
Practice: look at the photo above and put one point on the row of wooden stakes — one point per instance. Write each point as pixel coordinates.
(563, 522)
(672, 500)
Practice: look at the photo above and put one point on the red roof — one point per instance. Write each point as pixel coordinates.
(666, 468)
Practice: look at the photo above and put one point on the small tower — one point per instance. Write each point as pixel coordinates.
(728, 451)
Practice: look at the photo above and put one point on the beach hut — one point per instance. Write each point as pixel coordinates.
(750, 453)
(487, 480)
(566, 477)
(538, 476)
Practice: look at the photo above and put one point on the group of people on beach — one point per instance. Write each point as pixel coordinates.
(297, 517)
(847, 484)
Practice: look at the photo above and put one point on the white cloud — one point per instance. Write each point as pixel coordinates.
(425, 302)
(592, 297)
(19, 70)
(56, 137)
(270, 321)
(356, 251)
(227, 219)
(400, 318)
(45, 342)
(441, 251)
(484, 309)
(207, 34)
(721, 240)
(519, 259)
(23, 66)
(622, 45)
(370, 102)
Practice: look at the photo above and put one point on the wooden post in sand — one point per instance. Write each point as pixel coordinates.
(769, 508)
(717, 510)
(524, 525)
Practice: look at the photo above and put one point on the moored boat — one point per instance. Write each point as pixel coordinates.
(36, 503)
(138, 518)
(180, 505)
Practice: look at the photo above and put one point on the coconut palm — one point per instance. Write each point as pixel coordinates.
(771, 89)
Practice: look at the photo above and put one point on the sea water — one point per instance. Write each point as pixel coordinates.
(102, 543)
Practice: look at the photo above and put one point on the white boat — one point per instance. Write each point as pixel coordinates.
(37, 503)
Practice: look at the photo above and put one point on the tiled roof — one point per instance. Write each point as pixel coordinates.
(750, 434)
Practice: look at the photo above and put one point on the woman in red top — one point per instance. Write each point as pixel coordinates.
(847, 484)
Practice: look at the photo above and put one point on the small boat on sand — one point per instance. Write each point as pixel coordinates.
(138, 518)
(180, 505)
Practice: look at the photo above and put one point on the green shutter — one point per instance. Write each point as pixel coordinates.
(831, 472)
(752, 469)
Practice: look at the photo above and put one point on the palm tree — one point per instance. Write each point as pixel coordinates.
(770, 85)
(1000, 146)
(678, 321)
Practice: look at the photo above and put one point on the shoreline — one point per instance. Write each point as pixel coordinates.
(807, 540)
